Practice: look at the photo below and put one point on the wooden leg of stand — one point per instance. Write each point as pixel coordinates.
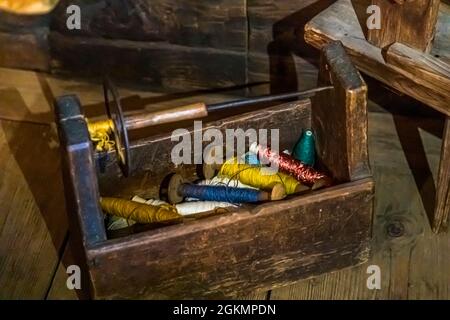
(442, 210)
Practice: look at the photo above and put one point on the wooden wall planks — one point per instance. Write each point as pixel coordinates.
(172, 44)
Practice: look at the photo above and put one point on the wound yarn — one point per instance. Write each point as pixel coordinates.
(100, 133)
(305, 149)
(287, 164)
(220, 193)
(188, 208)
(139, 212)
(259, 177)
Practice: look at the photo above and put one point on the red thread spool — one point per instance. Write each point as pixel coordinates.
(287, 164)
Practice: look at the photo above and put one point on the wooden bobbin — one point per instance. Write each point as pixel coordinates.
(175, 196)
(210, 170)
(173, 192)
(319, 183)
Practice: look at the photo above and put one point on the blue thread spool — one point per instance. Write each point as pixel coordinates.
(252, 159)
(305, 149)
(178, 190)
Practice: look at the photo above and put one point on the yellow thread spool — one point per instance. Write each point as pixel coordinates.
(142, 213)
(252, 176)
(100, 132)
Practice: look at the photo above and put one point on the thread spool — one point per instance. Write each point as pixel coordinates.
(256, 176)
(178, 190)
(142, 213)
(189, 208)
(100, 133)
(216, 181)
(293, 167)
(117, 223)
(251, 158)
(225, 181)
(305, 150)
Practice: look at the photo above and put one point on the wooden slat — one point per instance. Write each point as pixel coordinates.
(339, 22)
(426, 69)
(415, 35)
(219, 24)
(16, 49)
(399, 22)
(391, 14)
(155, 63)
(342, 111)
(59, 289)
(442, 212)
(33, 221)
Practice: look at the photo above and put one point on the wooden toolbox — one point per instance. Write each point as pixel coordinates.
(254, 247)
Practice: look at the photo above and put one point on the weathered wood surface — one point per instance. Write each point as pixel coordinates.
(240, 252)
(399, 22)
(428, 70)
(343, 112)
(339, 22)
(15, 49)
(23, 41)
(391, 15)
(157, 64)
(220, 24)
(442, 212)
(184, 44)
(311, 244)
(276, 48)
(417, 268)
(33, 223)
(414, 261)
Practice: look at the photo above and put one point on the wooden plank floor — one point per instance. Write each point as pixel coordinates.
(35, 243)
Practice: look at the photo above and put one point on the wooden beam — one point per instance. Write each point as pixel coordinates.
(339, 22)
(412, 22)
(343, 112)
(427, 70)
(440, 222)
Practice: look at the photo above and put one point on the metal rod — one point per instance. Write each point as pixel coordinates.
(268, 98)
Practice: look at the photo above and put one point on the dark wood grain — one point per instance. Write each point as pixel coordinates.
(158, 64)
(369, 58)
(343, 113)
(391, 14)
(399, 22)
(240, 252)
(429, 71)
(80, 181)
(16, 49)
(220, 24)
(442, 212)
(33, 223)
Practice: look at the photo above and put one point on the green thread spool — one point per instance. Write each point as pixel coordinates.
(305, 149)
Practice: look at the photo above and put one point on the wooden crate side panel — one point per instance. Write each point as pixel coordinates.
(80, 180)
(339, 117)
(220, 257)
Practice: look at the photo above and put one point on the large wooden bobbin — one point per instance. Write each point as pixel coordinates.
(176, 194)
